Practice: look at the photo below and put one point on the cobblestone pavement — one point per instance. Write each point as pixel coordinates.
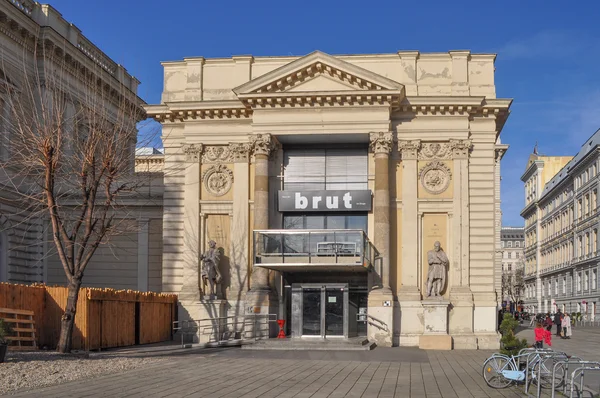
(383, 372)
(391, 372)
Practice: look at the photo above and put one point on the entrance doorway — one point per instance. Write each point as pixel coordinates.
(320, 310)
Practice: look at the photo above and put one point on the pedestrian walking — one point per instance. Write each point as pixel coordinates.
(566, 326)
(558, 322)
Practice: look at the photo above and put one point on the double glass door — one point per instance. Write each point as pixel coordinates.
(322, 310)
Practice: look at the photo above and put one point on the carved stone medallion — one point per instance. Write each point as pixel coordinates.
(435, 177)
(218, 180)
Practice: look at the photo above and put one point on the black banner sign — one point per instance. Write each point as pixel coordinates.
(325, 201)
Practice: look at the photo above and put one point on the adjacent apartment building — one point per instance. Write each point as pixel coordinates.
(561, 231)
(326, 180)
(512, 241)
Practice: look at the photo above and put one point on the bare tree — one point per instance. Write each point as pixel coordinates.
(513, 284)
(71, 157)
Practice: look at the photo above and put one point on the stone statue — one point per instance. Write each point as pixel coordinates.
(210, 268)
(436, 277)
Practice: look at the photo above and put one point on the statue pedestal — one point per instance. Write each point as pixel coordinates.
(435, 319)
(210, 329)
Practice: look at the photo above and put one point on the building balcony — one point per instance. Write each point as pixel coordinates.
(297, 250)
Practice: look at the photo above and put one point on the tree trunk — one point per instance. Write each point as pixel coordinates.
(68, 318)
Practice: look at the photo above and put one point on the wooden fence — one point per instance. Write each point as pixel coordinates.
(105, 318)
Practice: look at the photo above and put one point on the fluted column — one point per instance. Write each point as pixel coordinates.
(190, 289)
(381, 146)
(262, 145)
(410, 242)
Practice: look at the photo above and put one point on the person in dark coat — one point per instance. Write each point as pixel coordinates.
(558, 322)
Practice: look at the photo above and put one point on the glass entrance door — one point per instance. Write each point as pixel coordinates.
(320, 310)
(334, 311)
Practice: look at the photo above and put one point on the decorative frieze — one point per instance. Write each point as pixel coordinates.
(216, 154)
(435, 150)
(381, 142)
(218, 180)
(435, 177)
(409, 149)
(263, 144)
(193, 152)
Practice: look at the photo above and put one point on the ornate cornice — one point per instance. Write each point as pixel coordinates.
(381, 142)
(263, 144)
(409, 149)
(193, 152)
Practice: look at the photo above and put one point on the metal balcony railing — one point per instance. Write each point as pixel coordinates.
(299, 247)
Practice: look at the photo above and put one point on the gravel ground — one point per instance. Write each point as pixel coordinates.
(29, 370)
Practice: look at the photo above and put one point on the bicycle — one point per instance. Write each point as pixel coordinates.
(500, 371)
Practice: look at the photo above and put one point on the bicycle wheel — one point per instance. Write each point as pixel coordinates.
(492, 371)
(545, 375)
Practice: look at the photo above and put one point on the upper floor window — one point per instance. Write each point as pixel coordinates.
(564, 285)
(517, 244)
(586, 280)
(509, 254)
(579, 281)
(594, 279)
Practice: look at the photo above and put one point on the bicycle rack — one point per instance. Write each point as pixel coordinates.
(571, 360)
(543, 358)
(581, 370)
(535, 351)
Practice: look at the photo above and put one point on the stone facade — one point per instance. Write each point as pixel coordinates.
(134, 261)
(561, 232)
(430, 124)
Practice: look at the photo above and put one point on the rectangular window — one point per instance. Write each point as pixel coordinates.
(579, 281)
(586, 280)
(564, 285)
(594, 279)
(556, 287)
(332, 169)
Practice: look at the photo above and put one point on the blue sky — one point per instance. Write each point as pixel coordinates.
(548, 51)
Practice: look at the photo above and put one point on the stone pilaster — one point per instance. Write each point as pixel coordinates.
(260, 299)
(461, 315)
(381, 298)
(190, 289)
(409, 295)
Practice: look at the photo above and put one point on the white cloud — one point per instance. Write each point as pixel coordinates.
(544, 44)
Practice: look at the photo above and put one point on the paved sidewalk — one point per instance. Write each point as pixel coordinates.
(384, 372)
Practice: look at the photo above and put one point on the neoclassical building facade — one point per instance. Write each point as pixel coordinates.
(561, 228)
(326, 180)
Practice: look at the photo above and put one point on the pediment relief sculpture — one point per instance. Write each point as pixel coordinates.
(216, 154)
(435, 150)
(435, 177)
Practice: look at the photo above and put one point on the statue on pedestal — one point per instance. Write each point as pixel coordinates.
(436, 277)
(210, 268)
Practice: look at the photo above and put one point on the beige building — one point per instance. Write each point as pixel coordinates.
(561, 230)
(134, 260)
(513, 245)
(325, 180)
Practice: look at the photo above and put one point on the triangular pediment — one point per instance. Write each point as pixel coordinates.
(318, 72)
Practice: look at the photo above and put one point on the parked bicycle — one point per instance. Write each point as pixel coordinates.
(501, 371)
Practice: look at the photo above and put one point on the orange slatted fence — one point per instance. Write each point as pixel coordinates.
(105, 318)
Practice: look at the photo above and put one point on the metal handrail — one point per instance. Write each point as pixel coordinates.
(380, 325)
(192, 326)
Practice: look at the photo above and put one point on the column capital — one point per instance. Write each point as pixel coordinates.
(381, 142)
(263, 144)
(460, 148)
(193, 152)
(240, 152)
(409, 149)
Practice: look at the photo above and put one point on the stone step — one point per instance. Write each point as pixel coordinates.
(356, 344)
